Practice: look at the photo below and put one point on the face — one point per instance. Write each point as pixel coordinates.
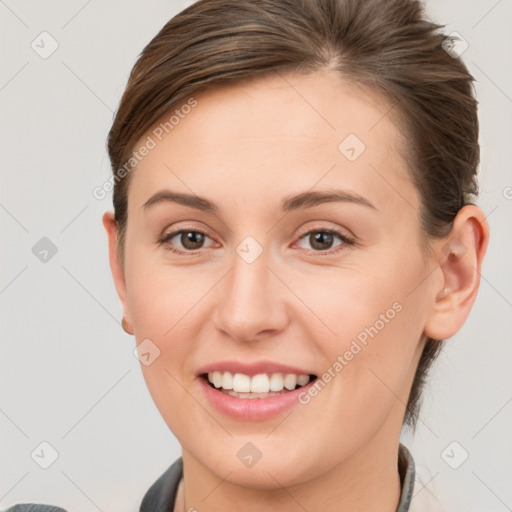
(269, 281)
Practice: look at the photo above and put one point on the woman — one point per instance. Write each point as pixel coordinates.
(294, 235)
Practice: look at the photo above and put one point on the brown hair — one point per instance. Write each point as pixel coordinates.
(388, 45)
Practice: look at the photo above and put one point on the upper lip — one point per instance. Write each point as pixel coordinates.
(252, 369)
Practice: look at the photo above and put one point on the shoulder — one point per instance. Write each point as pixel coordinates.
(158, 497)
(34, 507)
(162, 494)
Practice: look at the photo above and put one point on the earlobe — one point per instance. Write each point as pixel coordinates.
(116, 266)
(127, 328)
(460, 257)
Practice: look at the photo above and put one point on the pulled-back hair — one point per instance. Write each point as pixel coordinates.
(388, 45)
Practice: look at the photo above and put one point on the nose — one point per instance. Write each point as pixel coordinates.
(251, 301)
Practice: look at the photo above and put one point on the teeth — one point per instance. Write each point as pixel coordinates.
(302, 380)
(276, 382)
(217, 379)
(290, 381)
(227, 380)
(262, 383)
(251, 395)
(241, 383)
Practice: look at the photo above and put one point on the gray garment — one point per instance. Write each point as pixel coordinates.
(407, 471)
(34, 507)
(161, 495)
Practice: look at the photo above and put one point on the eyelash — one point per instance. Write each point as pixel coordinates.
(344, 238)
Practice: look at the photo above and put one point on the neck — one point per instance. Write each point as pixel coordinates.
(366, 480)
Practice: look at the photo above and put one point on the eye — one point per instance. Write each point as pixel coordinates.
(190, 240)
(322, 240)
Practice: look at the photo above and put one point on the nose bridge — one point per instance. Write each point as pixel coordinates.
(249, 301)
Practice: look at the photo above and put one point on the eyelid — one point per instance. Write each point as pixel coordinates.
(323, 226)
(176, 227)
(346, 235)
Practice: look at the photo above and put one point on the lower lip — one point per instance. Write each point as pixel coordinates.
(252, 409)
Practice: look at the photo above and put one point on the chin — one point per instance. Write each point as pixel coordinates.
(256, 463)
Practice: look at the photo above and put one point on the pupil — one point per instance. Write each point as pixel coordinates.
(192, 239)
(322, 238)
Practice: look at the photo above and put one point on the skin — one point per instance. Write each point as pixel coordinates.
(245, 148)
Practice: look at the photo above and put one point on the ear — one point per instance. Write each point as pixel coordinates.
(116, 267)
(460, 257)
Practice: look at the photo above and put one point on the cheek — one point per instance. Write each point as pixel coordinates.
(161, 302)
(363, 304)
(377, 315)
(161, 297)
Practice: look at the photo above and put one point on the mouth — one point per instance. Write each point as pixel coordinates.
(256, 390)
(259, 386)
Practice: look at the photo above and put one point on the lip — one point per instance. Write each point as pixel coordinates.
(252, 369)
(252, 409)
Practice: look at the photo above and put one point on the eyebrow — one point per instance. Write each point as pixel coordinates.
(168, 196)
(303, 200)
(314, 198)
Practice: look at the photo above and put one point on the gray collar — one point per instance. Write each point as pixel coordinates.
(407, 471)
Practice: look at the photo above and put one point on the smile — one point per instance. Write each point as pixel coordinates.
(253, 391)
(262, 385)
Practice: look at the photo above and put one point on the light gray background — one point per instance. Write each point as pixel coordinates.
(68, 373)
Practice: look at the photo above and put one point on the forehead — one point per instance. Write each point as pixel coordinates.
(277, 133)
